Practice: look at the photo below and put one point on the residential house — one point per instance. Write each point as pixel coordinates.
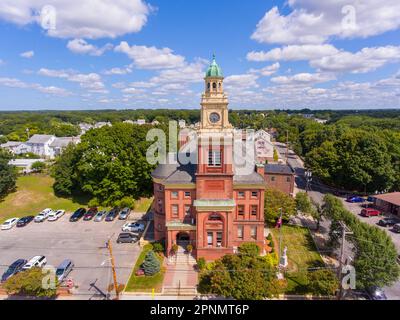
(280, 177)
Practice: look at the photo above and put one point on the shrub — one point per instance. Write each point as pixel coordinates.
(249, 249)
(189, 248)
(201, 263)
(322, 282)
(93, 203)
(38, 166)
(125, 202)
(158, 247)
(151, 264)
(174, 248)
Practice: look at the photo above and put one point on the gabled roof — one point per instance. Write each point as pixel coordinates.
(63, 142)
(40, 138)
(10, 144)
(278, 168)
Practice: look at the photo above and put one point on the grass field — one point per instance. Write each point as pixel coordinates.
(302, 254)
(143, 204)
(145, 283)
(34, 193)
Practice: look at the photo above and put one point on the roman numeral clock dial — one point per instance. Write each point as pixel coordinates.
(214, 117)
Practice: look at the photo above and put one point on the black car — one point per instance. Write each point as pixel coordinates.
(90, 214)
(24, 221)
(112, 214)
(376, 293)
(387, 222)
(78, 214)
(13, 269)
(127, 237)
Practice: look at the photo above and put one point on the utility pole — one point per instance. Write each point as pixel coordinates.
(345, 231)
(109, 246)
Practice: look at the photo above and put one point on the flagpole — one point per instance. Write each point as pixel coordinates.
(280, 233)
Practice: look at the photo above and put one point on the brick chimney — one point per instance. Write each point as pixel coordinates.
(260, 168)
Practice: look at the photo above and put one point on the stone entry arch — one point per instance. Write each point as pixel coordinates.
(183, 239)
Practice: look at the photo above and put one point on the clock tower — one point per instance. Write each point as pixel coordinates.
(214, 102)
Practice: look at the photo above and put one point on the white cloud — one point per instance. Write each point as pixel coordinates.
(241, 81)
(268, 70)
(16, 83)
(293, 52)
(27, 54)
(151, 57)
(315, 21)
(80, 46)
(90, 81)
(118, 71)
(90, 19)
(365, 60)
(303, 78)
(188, 73)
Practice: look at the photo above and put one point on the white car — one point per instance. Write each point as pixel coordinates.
(43, 215)
(133, 227)
(8, 224)
(36, 261)
(55, 215)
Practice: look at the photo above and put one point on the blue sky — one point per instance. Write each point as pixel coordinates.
(102, 54)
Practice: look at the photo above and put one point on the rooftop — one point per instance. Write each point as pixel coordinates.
(214, 69)
(393, 198)
(40, 138)
(278, 168)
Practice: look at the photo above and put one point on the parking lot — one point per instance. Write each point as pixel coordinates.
(84, 242)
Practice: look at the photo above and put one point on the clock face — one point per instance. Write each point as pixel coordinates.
(214, 117)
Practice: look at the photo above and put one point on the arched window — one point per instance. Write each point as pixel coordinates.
(214, 85)
(208, 86)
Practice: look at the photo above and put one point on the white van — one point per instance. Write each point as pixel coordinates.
(36, 261)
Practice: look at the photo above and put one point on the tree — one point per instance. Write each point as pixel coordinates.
(29, 282)
(274, 200)
(276, 156)
(8, 174)
(374, 251)
(249, 249)
(303, 202)
(323, 282)
(38, 166)
(240, 277)
(151, 264)
(317, 214)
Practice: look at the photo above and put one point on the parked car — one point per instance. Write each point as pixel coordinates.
(133, 227)
(112, 215)
(36, 261)
(124, 214)
(64, 269)
(90, 214)
(370, 212)
(43, 215)
(100, 216)
(55, 215)
(127, 237)
(13, 269)
(387, 222)
(78, 214)
(24, 221)
(396, 228)
(371, 199)
(376, 293)
(355, 199)
(8, 224)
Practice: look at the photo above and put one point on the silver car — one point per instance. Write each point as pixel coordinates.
(123, 215)
(100, 216)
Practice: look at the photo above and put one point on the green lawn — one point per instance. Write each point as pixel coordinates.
(35, 193)
(145, 283)
(143, 204)
(302, 254)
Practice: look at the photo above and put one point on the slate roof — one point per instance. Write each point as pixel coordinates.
(40, 138)
(175, 173)
(278, 168)
(10, 144)
(63, 142)
(253, 178)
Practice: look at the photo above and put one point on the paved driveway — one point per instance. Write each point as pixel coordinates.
(83, 242)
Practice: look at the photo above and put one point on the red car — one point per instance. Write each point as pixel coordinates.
(369, 212)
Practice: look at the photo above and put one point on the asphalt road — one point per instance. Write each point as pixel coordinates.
(84, 242)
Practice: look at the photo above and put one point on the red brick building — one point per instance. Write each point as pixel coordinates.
(213, 204)
(280, 177)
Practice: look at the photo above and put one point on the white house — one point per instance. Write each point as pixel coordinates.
(59, 144)
(39, 144)
(102, 124)
(12, 146)
(140, 122)
(264, 148)
(182, 124)
(25, 164)
(85, 127)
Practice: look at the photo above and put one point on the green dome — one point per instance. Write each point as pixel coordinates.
(214, 70)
